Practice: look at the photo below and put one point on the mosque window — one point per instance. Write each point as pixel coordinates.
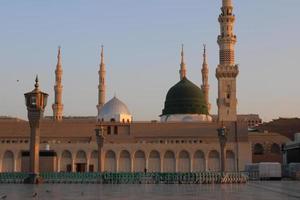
(275, 149)
(112, 119)
(108, 130)
(116, 130)
(26, 141)
(258, 149)
(8, 141)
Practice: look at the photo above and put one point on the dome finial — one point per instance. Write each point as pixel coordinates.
(36, 85)
(204, 54)
(102, 54)
(182, 71)
(182, 54)
(59, 65)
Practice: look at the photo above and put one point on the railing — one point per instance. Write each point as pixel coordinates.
(131, 178)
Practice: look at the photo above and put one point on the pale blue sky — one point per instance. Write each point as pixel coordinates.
(142, 40)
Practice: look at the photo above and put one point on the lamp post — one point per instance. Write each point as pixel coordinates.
(222, 134)
(36, 101)
(100, 141)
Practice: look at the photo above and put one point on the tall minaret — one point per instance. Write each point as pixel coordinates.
(101, 86)
(182, 71)
(205, 85)
(227, 70)
(58, 106)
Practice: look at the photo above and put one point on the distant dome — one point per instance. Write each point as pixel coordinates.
(114, 109)
(185, 98)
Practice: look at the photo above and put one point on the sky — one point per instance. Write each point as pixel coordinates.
(142, 40)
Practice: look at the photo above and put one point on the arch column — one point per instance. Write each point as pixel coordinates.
(162, 163)
(117, 162)
(147, 162)
(73, 163)
(58, 163)
(191, 163)
(15, 164)
(1, 158)
(131, 163)
(176, 157)
(102, 167)
(206, 161)
(87, 163)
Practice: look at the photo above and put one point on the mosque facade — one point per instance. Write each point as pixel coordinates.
(184, 140)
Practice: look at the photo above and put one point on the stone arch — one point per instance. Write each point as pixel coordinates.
(275, 149)
(110, 162)
(258, 149)
(154, 161)
(66, 161)
(81, 161)
(169, 162)
(214, 161)
(184, 162)
(199, 161)
(93, 165)
(230, 161)
(8, 161)
(125, 161)
(139, 162)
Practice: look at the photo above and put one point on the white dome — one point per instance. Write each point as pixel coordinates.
(112, 109)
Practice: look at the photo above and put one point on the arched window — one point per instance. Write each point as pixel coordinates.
(116, 130)
(108, 130)
(275, 149)
(258, 149)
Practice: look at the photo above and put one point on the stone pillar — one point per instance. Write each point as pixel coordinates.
(191, 164)
(34, 142)
(222, 134)
(1, 156)
(100, 142)
(162, 164)
(35, 102)
(73, 164)
(132, 164)
(87, 164)
(117, 163)
(58, 163)
(176, 164)
(206, 162)
(16, 164)
(147, 163)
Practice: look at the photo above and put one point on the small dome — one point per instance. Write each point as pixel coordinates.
(113, 108)
(185, 98)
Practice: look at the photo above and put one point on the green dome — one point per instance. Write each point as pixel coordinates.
(185, 98)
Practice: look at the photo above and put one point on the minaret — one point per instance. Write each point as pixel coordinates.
(205, 85)
(227, 70)
(58, 106)
(101, 86)
(182, 71)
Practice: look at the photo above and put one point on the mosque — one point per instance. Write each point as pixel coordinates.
(184, 140)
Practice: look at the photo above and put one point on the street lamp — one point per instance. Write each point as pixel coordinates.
(222, 134)
(100, 141)
(36, 101)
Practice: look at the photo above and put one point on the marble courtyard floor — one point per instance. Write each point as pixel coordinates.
(265, 190)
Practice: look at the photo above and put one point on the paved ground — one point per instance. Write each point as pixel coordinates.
(277, 190)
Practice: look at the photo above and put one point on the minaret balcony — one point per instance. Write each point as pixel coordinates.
(227, 71)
